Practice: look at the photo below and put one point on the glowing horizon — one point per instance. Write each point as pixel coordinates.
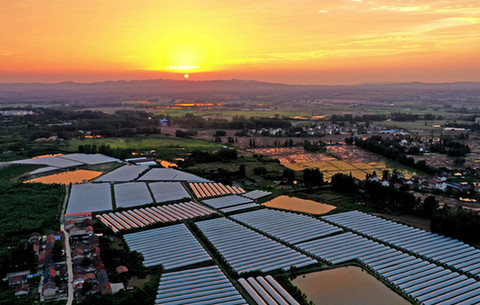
(328, 42)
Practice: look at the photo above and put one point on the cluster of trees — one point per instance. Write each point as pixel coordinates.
(20, 133)
(458, 223)
(390, 199)
(288, 175)
(185, 133)
(123, 123)
(392, 150)
(343, 183)
(314, 146)
(117, 256)
(144, 295)
(222, 155)
(394, 116)
(386, 198)
(220, 133)
(260, 170)
(238, 122)
(27, 208)
(120, 153)
(67, 124)
(312, 177)
(450, 148)
(270, 175)
(19, 257)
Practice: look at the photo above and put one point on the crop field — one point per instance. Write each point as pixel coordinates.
(358, 170)
(344, 159)
(168, 146)
(291, 154)
(330, 168)
(76, 176)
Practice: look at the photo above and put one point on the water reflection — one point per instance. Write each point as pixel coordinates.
(299, 205)
(48, 155)
(167, 164)
(346, 286)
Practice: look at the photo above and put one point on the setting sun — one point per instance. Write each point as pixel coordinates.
(181, 51)
(186, 76)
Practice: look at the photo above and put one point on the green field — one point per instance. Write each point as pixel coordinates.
(15, 171)
(143, 142)
(161, 146)
(415, 125)
(271, 167)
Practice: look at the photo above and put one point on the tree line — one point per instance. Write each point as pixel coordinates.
(391, 150)
(394, 116)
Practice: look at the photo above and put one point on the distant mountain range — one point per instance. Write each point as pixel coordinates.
(111, 91)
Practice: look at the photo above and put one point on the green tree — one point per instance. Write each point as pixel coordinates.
(312, 177)
(242, 170)
(260, 170)
(429, 206)
(288, 175)
(58, 251)
(343, 183)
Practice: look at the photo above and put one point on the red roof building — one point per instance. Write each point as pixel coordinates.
(89, 230)
(90, 276)
(121, 269)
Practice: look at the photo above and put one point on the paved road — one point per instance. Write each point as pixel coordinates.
(68, 252)
(69, 265)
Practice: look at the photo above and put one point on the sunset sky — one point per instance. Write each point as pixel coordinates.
(295, 41)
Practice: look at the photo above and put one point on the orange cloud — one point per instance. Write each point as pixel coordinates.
(235, 38)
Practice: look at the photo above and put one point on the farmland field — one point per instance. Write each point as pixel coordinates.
(76, 176)
(344, 159)
(291, 154)
(167, 146)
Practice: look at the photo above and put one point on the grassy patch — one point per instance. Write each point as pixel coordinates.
(273, 169)
(164, 147)
(143, 142)
(344, 202)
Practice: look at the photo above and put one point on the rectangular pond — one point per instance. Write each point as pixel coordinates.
(346, 286)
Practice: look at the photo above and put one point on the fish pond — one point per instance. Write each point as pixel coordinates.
(346, 286)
